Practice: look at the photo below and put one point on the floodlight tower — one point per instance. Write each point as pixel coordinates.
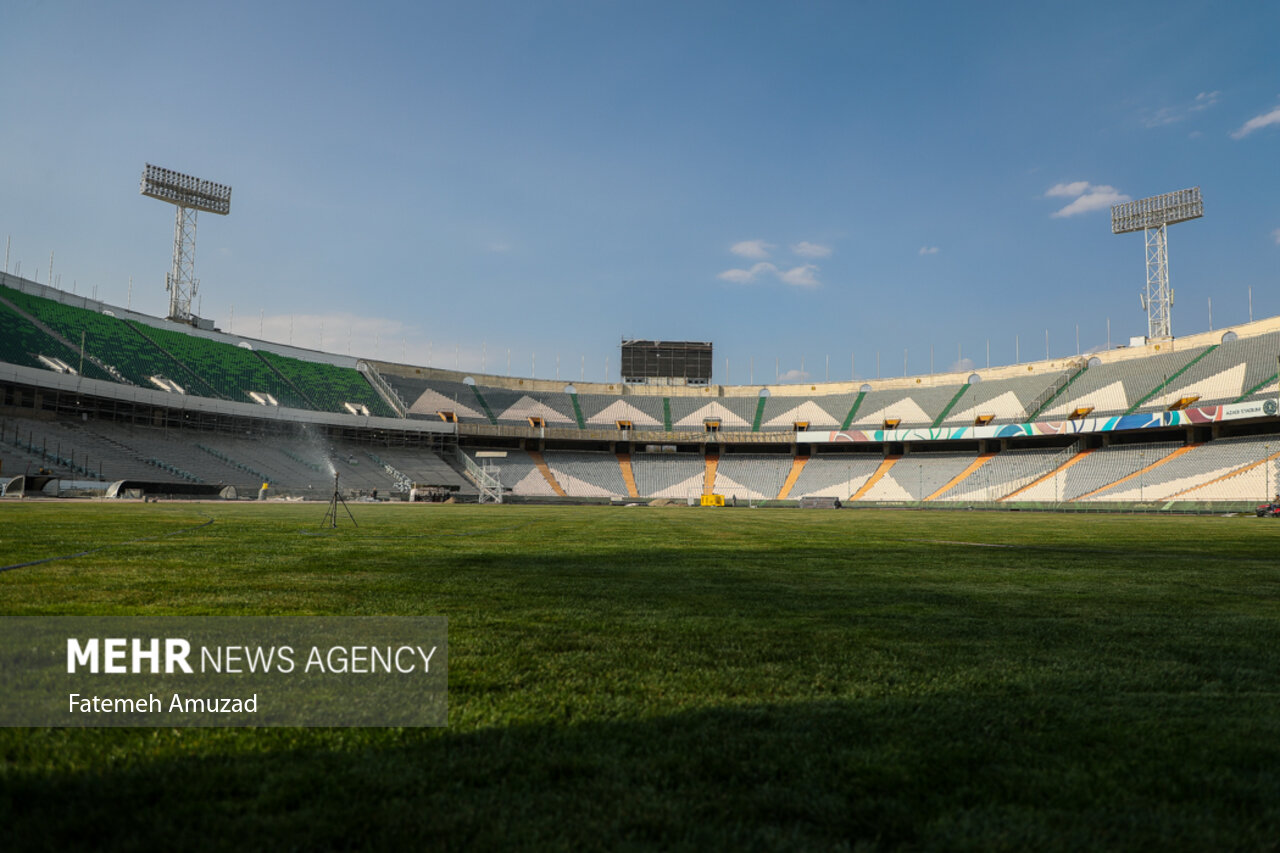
(190, 195)
(1152, 216)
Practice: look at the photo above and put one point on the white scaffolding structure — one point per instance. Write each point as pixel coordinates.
(189, 195)
(1152, 216)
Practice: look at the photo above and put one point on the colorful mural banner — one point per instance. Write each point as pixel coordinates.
(1113, 423)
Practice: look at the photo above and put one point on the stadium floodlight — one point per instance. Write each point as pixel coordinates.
(190, 195)
(1152, 216)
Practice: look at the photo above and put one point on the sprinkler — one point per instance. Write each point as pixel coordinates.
(331, 515)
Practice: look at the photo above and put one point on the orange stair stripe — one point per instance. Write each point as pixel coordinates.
(1063, 467)
(1174, 455)
(536, 456)
(797, 465)
(628, 476)
(982, 459)
(883, 469)
(1227, 476)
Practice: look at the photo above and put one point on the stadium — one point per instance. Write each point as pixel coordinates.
(261, 591)
(102, 400)
(913, 662)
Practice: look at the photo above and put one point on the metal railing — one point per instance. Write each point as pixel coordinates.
(490, 487)
(385, 391)
(633, 436)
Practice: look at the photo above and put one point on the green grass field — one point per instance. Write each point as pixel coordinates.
(693, 679)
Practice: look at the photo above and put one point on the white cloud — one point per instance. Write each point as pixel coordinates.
(801, 276)
(794, 376)
(1070, 190)
(961, 365)
(1256, 123)
(748, 276)
(378, 338)
(805, 249)
(1276, 235)
(1088, 197)
(343, 333)
(1173, 115)
(753, 249)
(928, 250)
(1204, 100)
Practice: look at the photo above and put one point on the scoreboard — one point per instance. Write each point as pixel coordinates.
(667, 362)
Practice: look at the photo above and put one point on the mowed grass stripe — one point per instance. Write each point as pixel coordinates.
(689, 678)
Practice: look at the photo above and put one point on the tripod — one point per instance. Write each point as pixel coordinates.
(331, 515)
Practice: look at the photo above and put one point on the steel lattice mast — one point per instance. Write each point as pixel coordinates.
(189, 195)
(1152, 216)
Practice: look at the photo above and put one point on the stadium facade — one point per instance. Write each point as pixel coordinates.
(97, 398)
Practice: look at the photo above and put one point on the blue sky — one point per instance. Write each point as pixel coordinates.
(796, 182)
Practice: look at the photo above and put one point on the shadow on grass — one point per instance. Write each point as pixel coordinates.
(950, 771)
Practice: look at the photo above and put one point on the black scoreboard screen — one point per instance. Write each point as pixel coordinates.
(647, 360)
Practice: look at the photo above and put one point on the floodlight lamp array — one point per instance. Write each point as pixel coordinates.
(186, 190)
(1157, 210)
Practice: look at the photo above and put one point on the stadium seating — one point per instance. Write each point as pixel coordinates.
(326, 386)
(151, 353)
(1204, 464)
(201, 366)
(519, 474)
(1005, 473)
(601, 410)
(836, 475)
(425, 467)
(1109, 464)
(820, 412)
(1236, 370)
(668, 475)
(1007, 399)
(516, 407)
(428, 397)
(918, 407)
(1115, 388)
(734, 413)
(917, 476)
(752, 475)
(232, 372)
(22, 343)
(587, 474)
(111, 341)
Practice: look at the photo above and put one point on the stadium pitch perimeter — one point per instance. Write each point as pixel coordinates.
(692, 679)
